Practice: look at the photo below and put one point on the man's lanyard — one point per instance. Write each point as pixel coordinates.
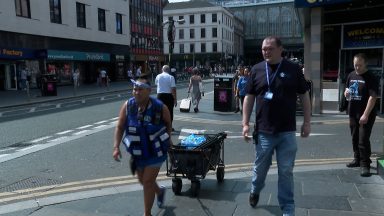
(273, 76)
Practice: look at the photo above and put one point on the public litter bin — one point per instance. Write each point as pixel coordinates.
(49, 85)
(224, 97)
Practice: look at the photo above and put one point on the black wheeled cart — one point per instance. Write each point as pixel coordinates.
(194, 163)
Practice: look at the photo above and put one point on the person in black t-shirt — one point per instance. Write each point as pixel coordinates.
(362, 90)
(275, 83)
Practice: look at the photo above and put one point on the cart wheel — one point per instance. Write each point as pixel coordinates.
(195, 187)
(220, 174)
(176, 186)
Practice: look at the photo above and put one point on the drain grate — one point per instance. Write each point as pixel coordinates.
(31, 182)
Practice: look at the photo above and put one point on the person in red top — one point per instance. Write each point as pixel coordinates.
(362, 90)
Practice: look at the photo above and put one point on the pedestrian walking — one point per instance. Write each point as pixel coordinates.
(76, 77)
(147, 125)
(242, 86)
(166, 89)
(103, 77)
(274, 83)
(361, 92)
(23, 78)
(196, 84)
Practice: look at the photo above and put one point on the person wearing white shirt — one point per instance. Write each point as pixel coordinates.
(166, 89)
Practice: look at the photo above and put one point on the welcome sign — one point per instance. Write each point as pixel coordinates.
(364, 35)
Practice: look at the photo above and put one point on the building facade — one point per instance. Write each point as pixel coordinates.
(334, 32)
(207, 37)
(262, 18)
(56, 37)
(146, 35)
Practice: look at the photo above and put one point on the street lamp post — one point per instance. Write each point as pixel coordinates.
(171, 32)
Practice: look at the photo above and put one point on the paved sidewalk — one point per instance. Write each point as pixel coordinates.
(319, 190)
(20, 97)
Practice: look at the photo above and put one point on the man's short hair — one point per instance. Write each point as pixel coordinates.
(361, 56)
(276, 39)
(166, 68)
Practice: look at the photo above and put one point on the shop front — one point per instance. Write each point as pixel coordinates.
(62, 64)
(14, 61)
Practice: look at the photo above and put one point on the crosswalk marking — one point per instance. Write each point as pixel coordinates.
(40, 139)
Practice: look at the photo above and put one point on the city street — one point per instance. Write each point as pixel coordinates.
(67, 151)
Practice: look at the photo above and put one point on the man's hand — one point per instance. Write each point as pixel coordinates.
(363, 119)
(247, 138)
(305, 129)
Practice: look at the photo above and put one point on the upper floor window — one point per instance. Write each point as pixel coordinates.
(214, 47)
(203, 49)
(214, 18)
(214, 32)
(181, 18)
(181, 33)
(80, 14)
(55, 11)
(119, 23)
(202, 33)
(191, 48)
(23, 8)
(101, 18)
(191, 19)
(191, 33)
(202, 18)
(181, 48)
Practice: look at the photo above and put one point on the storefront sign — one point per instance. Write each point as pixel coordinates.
(317, 3)
(364, 35)
(16, 53)
(119, 57)
(153, 58)
(77, 56)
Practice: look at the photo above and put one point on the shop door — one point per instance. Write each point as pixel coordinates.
(2, 77)
(11, 77)
(374, 64)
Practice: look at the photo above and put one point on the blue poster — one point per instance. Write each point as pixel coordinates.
(317, 3)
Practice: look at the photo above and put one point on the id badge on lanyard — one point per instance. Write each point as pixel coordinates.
(269, 94)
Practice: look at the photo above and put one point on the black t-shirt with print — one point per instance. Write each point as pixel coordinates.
(361, 87)
(279, 113)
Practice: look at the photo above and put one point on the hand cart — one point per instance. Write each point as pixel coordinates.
(195, 163)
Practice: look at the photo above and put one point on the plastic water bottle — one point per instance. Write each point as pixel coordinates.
(349, 95)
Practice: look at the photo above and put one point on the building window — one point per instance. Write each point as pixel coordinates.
(191, 33)
(214, 47)
(80, 13)
(191, 19)
(119, 23)
(214, 32)
(55, 11)
(181, 48)
(181, 33)
(202, 18)
(181, 18)
(101, 17)
(23, 8)
(202, 33)
(214, 18)
(192, 48)
(203, 47)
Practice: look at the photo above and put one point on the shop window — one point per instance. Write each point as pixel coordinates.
(80, 14)
(101, 19)
(23, 8)
(55, 11)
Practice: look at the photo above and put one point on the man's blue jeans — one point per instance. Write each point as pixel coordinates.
(285, 145)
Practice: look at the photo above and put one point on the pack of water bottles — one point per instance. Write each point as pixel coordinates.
(193, 141)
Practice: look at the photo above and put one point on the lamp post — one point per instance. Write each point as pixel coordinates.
(171, 32)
